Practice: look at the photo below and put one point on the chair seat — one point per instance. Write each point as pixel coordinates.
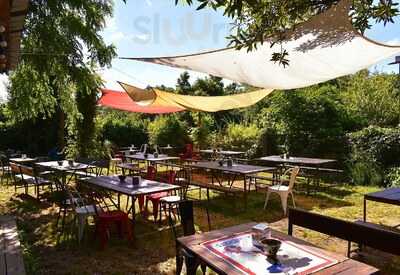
(279, 188)
(86, 210)
(156, 196)
(113, 215)
(171, 199)
(24, 177)
(85, 174)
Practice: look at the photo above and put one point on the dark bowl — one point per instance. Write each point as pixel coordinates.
(271, 246)
(122, 178)
(60, 162)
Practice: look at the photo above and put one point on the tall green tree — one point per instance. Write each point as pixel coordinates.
(62, 48)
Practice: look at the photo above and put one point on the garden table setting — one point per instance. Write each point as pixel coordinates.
(227, 153)
(237, 250)
(65, 167)
(312, 164)
(233, 172)
(132, 187)
(151, 158)
(23, 159)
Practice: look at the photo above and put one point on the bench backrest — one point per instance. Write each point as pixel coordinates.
(26, 170)
(380, 239)
(15, 168)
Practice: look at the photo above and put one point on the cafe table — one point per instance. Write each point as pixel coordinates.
(63, 168)
(388, 196)
(231, 251)
(22, 160)
(311, 164)
(126, 187)
(226, 153)
(235, 172)
(150, 158)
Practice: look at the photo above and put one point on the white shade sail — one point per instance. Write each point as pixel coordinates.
(323, 48)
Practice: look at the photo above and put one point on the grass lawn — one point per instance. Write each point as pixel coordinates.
(153, 251)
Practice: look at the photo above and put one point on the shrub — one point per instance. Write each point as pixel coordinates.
(123, 129)
(166, 130)
(374, 150)
(240, 137)
(202, 134)
(393, 177)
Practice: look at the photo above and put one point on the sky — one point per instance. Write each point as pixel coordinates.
(159, 28)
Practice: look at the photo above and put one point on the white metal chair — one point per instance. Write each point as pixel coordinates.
(284, 190)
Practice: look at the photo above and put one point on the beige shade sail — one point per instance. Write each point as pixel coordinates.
(158, 98)
(323, 48)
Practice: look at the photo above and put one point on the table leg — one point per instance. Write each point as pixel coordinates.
(245, 191)
(365, 210)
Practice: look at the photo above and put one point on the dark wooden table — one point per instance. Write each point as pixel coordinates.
(151, 158)
(344, 265)
(63, 170)
(233, 172)
(389, 196)
(146, 187)
(304, 163)
(222, 152)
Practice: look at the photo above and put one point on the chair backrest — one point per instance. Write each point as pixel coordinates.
(151, 172)
(187, 217)
(171, 176)
(100, 165)
(26, 170)
(378, 238)
(143, 148)
(293, 175)
(15, 168)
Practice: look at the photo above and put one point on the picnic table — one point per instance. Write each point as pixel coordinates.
(389, 196)
(222, 152)
(233, 172)
(22, 160)
(127, 152)
(145, 187)
(312, 164)
(63, 168)
(231, 251)
(151, 158)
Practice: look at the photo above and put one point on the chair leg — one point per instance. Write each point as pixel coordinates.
(266, 199)
(294, 204)
(179, 264)
(81, 226)
(284, 198)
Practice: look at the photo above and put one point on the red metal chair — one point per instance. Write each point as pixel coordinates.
(106, 218)
(189, 153)
(150, 175)
(155, 198)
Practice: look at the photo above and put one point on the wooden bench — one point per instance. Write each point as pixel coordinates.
(358, 232)
(11, 260)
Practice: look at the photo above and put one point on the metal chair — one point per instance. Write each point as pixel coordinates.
(284, 190)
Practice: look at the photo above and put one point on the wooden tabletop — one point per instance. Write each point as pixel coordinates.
(65, 166)
(22, 160)
(297, 160)
(150, 157)
(235, 168)
(344, 265)
(145, 187)
(222, 152)
(390, 195)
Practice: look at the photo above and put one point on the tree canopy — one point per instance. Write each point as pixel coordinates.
(256, 20)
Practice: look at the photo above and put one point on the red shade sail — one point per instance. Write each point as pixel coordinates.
(121, 101)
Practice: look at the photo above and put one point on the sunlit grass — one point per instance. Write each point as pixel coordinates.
(154, 249)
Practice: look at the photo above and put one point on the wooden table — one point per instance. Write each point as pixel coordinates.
(304, 163)
(22, 160)
(241, 170)
(151, 158)
(222, 152)
(193, 244)
(64, 169)
(389, 196)
(146, 187)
